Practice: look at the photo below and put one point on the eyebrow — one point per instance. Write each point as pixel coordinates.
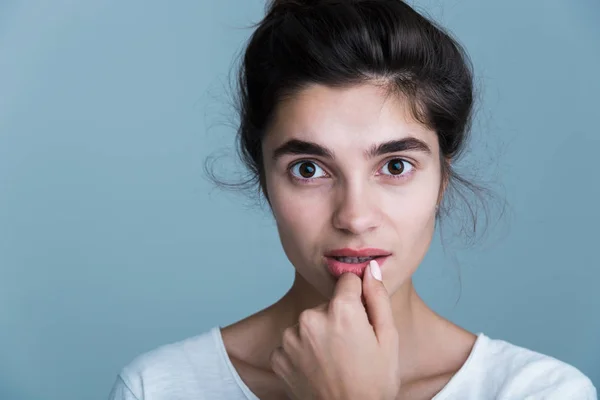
(296, 146)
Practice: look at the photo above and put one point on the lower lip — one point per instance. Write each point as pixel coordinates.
(337, 268)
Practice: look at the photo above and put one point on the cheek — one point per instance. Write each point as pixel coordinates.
(411, 217)
(294, 207)
(414, 231)
(299, 218)
(412, 206)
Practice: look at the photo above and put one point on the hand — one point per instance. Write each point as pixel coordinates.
(343, 349)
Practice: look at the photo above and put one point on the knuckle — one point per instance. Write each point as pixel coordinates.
(307, 319)
(341, 305)
(288, 339)
(275, 354)
(276, 360)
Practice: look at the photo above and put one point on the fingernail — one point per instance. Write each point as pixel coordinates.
(375, 270)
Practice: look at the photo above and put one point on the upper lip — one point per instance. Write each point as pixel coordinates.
(347, 252)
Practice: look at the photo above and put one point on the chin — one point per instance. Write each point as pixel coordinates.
(309, 283)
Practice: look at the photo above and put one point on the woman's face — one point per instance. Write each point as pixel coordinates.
(350, 169)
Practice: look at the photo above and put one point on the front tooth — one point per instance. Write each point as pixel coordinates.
(354, 260)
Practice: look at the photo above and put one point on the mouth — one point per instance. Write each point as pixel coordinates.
(353, 261)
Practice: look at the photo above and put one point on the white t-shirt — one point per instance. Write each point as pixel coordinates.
(198, 368)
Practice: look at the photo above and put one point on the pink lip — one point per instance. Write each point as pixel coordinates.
(337, 268)
(346, 252)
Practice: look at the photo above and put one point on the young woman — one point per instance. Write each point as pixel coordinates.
(352, 114)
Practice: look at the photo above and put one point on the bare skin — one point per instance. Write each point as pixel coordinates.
(440, 348)
(352, 201)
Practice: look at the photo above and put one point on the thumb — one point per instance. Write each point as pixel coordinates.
(377, 301)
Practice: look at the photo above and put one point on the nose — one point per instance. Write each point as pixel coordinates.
(356, 210)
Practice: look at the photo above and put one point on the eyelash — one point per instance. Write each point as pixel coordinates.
(308, 180)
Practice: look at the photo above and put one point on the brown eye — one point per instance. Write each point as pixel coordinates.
(307, 170)
(397, 167)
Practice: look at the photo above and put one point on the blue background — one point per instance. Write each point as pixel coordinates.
(112, 242)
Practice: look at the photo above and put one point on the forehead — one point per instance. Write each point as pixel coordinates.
(342, 116)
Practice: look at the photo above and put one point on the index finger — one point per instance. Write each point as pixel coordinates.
(348, 287)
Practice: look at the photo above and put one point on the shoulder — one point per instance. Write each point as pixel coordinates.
(517, 372)
(167, 363)
(185, 369)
